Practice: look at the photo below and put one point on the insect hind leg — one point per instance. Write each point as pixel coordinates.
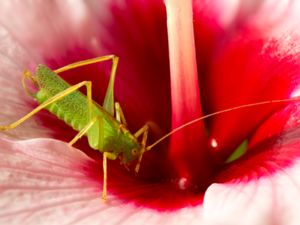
(108, 103)
(85, 63)
(51, 100)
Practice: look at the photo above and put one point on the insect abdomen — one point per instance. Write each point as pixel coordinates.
(72, 109)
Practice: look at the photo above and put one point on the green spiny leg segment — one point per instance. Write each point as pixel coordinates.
(51, 100)
(143, 131)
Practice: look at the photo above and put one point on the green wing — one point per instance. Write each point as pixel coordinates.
(109, 102)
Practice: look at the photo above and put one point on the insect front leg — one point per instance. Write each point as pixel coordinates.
(143, 131)
(51, 100)
(111, 156)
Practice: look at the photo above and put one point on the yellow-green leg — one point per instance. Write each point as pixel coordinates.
(111, 156)
(108, 103)
(83, 131)
(119, 114)
(143, 131)
(88, 62)
(51, 100)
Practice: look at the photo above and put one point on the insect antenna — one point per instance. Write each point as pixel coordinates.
(149, 147)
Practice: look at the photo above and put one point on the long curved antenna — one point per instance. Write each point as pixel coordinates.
(220, 112)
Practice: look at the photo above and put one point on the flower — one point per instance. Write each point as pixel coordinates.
(235, 56)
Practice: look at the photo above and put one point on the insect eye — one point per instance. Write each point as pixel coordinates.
(134, 152)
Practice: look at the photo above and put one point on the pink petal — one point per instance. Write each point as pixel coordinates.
(262, 187)
(284, 17)
(262, 65)
(14, 102)
(25, 40)
(269, 200)
(281, 121)
(48, 27)
(237, 14)
(223, 12)
(46, 182)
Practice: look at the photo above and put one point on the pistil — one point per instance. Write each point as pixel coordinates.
(187, 148)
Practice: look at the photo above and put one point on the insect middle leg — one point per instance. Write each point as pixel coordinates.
(84, 131)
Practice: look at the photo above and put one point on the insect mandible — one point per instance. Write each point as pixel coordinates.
(105, 126)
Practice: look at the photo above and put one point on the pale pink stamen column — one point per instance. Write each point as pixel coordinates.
(184, 76)
(185, 147)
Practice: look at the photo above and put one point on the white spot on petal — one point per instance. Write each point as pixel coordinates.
(213, 143)
(182, 183)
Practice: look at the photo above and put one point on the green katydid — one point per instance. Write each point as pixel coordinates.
(104, 126)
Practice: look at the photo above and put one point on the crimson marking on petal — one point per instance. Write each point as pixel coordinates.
(154, 193)
(265, 158)
(226, 88)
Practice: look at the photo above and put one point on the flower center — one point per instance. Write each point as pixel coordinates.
(163, 87)
(191, 160)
